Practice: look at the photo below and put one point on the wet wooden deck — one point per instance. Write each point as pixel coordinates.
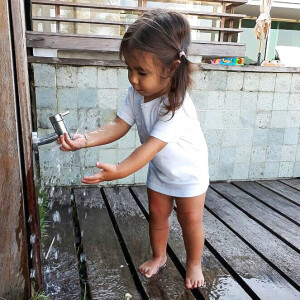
(251, 250)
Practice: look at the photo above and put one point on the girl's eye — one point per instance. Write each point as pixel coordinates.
(142, 74)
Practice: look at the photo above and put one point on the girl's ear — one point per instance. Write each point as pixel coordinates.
(173, 67)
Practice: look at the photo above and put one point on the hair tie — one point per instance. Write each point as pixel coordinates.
(182, 53)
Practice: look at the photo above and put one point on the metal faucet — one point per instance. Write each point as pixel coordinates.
(59, 126)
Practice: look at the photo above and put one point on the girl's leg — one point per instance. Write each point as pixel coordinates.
(160, 208)
(190, 214)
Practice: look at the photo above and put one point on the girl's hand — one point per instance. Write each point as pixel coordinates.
(67, 144)
(108, 173)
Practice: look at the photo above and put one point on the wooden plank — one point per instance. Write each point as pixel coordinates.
(280, 256)
(168, 284)
(112, 44)
(75, 61)
(104, 22)
(245, 68)
(14, 269)
(265, 216)
(24, 103)
(60, 271)
(273, 200)
(137, 9)
(282, 189)
(293, 182)
(108, 274)
(218, 281)
(261, 278)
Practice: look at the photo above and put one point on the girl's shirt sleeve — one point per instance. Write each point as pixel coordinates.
(126, 111)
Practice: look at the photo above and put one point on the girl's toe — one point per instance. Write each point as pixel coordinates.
(188, 284)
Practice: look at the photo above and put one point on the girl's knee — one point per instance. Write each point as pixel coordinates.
(160, 210)
(189, 218)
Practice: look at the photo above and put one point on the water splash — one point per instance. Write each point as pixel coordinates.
(82, 257)
(58, 238)
(32, 238)
(56, 217)
(32, 273)
(30, 219)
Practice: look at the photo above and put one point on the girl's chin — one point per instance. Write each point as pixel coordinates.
(142, 93)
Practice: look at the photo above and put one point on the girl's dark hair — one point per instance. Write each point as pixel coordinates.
(165, 33)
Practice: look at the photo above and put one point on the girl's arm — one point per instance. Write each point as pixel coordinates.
(138, 159)
(106, 134)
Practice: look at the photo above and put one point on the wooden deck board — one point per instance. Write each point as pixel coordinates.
(282, 189)
(271, 199)
(219, 283)
(280, 255)
(250, 251)
(108, 274)
(267, 217)
(295, 182)
(168, 284)
(60, 271)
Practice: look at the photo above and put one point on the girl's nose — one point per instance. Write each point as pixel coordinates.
(133, 80)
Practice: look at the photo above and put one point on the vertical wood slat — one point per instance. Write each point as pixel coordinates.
(222, 23)
(14, 272)
(24, 103)
(57, 14)
(231, 10)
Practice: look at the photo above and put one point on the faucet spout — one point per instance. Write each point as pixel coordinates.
(60, 128)
(47, 139)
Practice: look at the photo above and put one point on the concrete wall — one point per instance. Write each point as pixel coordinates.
(251, 121)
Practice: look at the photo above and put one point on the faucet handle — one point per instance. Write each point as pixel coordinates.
(65, 113)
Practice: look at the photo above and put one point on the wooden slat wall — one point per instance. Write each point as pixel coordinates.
(14, 273)
(88, 42)
(24, 103)
(111, 44)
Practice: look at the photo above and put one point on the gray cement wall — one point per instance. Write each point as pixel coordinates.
(251, 121)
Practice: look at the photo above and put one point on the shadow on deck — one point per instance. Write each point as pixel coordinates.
(100, 237)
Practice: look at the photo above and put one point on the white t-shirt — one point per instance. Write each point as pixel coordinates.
(180, 169)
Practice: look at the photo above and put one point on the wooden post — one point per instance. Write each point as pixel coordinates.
(14, 272)
(17, 197)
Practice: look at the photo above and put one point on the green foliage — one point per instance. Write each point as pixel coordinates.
(40, 296)
(43, 211)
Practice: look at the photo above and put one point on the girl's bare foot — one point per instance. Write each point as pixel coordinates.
(194, 276)
(152, 266)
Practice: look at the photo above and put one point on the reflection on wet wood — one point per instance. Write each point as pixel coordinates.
(285, 259)
(285, 229)
(108, 274)
(218, 281)
(60, 271)
(168, 284)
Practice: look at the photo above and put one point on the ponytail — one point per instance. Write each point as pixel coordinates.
(168, 35)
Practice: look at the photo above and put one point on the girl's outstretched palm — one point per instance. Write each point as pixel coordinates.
(108, 173)
(76, 143)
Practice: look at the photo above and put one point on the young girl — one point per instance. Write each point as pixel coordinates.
(154, 49)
